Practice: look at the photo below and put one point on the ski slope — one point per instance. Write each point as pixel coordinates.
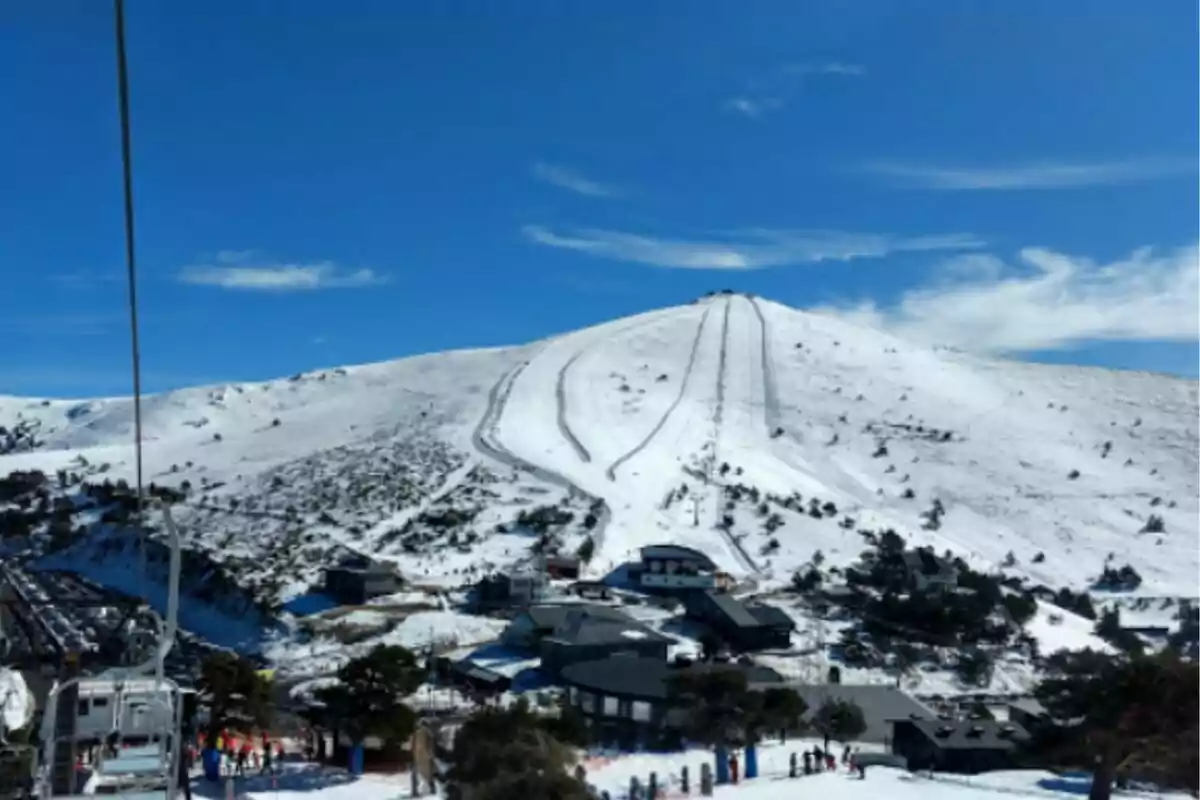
(745, 401)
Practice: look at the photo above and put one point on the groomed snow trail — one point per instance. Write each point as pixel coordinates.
(560, 387)
(688, 371)
(808, 469)
(638, 379)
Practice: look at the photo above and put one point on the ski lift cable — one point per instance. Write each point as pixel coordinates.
(131, 269)
(171, 747)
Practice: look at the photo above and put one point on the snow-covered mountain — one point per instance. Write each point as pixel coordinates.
(754, 432)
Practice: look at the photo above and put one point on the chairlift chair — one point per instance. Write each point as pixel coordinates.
(144, 772)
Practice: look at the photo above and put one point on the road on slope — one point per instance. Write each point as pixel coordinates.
(688, 371)
(488, 444)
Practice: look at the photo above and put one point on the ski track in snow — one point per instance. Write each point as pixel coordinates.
(560, 392)
(560, 387)
(770, 390)
(611, 472)
(718, 418)
(719, 413)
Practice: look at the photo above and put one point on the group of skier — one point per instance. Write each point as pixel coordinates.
(238, 754)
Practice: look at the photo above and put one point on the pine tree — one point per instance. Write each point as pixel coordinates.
(513, 753)
(236, 695)
(840, 720)
(1136, 712)
(368, 699)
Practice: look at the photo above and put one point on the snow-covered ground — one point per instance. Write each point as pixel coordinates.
(760, 410)
(305, 782)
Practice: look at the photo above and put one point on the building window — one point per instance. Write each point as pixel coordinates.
(587, 703)
(611, 707)
(641, 711)
(572, 695)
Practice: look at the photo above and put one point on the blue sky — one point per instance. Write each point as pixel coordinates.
(320, 183)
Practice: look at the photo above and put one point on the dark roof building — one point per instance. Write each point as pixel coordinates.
(562, 566)
(964, 746)
(675, 552)
(592, 590)
(582, 637)
(356, 579)
(508, 590)
(626, 699)
(881, 705)
(672, 569)
(649, 679)
(744, 626)
(531, 626)
(469, 675)
(927, 570)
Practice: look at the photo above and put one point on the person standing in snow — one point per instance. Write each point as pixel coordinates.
(183, 775)
(243, 755)
(266, 756)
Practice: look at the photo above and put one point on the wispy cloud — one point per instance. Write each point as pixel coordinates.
(824, 68)
(1039, 175)
(752, 249)
(1051, 301)
(569, 179)
(774, 91)
(271, 277)
(753, 106)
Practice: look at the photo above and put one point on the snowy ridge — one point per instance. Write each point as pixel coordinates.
(655, 428)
